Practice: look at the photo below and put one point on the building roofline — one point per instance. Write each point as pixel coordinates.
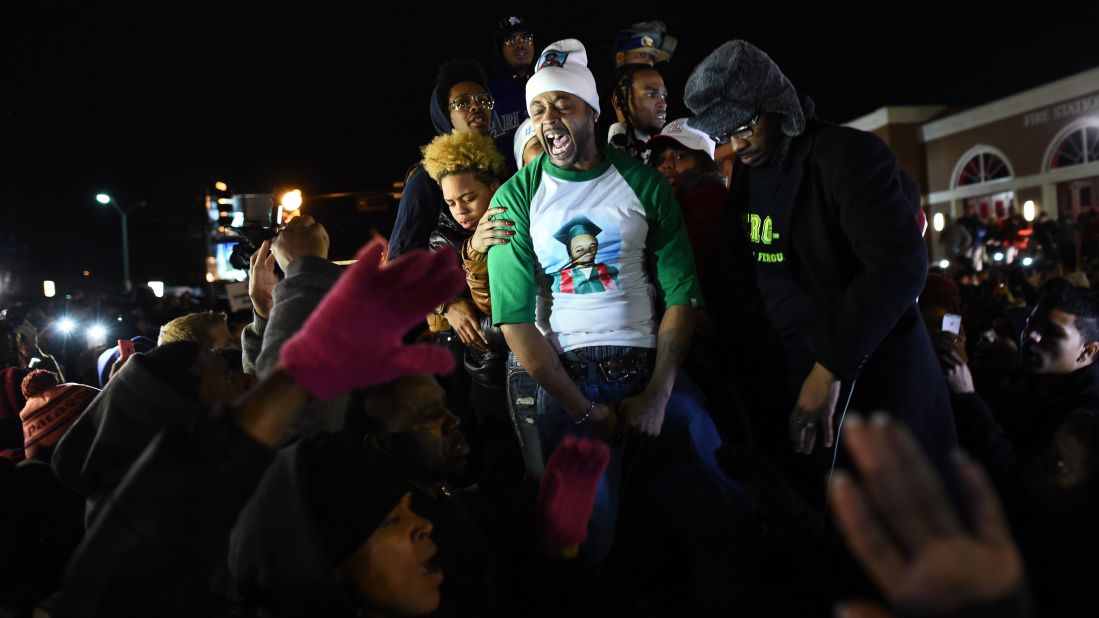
(896, 114)
(1014, 105)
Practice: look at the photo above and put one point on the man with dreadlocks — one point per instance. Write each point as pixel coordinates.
(640, 102)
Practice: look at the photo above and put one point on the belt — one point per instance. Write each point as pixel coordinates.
(612, 370)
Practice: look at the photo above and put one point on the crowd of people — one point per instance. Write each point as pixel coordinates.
(597, 369)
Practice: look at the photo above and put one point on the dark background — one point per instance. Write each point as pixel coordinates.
(154, 102)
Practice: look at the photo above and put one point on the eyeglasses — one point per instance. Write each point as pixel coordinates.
(466, 101)
(523, 37)
(739, 133)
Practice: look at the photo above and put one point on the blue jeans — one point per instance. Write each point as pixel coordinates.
(522, 393)
(679, 470)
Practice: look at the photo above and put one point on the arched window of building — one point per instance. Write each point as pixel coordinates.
(1078, 146)
(980, 165)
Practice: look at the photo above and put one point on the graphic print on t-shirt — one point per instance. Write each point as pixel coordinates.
(761, 233)
(586, 269)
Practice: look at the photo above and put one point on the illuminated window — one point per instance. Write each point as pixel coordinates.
(983, 167)
(1077, 148)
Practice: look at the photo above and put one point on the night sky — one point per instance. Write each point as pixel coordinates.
(154, 105)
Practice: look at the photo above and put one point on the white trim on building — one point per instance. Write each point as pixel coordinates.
(1061, 174)
(885, 116)
(1056, 92)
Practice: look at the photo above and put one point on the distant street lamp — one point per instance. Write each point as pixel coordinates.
(105, 199)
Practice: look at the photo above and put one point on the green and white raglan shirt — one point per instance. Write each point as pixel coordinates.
(579, 263)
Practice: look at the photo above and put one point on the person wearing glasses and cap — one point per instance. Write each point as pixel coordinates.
(685, 156)
(821, 232)
(512, 59)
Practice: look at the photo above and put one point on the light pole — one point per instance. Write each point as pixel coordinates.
(105, 199)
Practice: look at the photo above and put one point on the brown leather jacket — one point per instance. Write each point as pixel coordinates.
(475, 264)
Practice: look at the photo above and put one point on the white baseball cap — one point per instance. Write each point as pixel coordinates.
(686, 136)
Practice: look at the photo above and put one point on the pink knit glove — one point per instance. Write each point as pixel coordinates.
(353, 338)
(568, 491)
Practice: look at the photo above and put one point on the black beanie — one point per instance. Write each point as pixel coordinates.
(508, 26)
(350, 492)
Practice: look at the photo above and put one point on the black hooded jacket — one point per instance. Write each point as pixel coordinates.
(422, 199)
(276, 552)
(100, 447)
(158, 546)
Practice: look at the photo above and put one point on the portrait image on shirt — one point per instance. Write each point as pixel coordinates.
(584, 262)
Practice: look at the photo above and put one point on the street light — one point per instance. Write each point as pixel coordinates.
(291, 200)
(105, 199)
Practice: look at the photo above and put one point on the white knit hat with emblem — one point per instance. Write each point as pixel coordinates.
(523, 134)
(563, 66)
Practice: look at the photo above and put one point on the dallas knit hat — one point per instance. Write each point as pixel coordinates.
(563, 66)
(51, 409)
(736, 82)
(677, 131)
(523, 134)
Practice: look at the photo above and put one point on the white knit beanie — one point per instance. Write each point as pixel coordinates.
(563, 66)
(522, 135)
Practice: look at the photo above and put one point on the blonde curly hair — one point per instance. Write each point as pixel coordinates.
(456, 153)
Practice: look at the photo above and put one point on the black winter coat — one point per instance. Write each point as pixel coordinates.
(854, 248)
